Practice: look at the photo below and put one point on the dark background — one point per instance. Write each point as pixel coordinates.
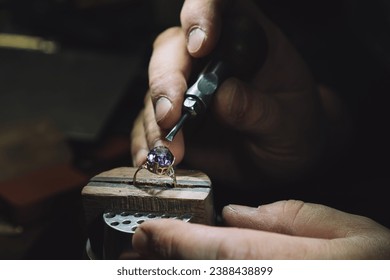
(87, 93)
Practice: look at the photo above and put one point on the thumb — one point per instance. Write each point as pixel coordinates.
(301, 223)
(297, 218)
(174, 239)
(201, 21)
(246, 109)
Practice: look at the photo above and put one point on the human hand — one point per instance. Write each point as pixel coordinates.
(272, 123)
(281, 230)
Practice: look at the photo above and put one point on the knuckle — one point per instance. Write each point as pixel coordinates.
(166, 83)
(158, 84)
(228, 250)
(263, 113)
(164, 246)
(238, 109)
(152, 135)
(166, 35)
(293, 208)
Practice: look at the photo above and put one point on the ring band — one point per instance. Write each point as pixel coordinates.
(159, 161)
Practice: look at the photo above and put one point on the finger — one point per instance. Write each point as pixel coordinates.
(296, 218)
(169, 68)
(153, 133)
(201, 22)
(154, 136)
(139, 147)
(179, 240)
(246, 109)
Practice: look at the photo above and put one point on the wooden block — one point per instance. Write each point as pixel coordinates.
(113, 190)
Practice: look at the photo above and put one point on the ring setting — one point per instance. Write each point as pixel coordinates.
(159, 161)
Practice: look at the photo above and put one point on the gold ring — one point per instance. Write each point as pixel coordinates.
(159, 161)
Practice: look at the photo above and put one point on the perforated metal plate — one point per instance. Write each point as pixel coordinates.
(128, 222)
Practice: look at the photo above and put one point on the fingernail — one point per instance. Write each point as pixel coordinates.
(240, 208)
(196, 37)
(140, 241)
(163, 106)
(158, 142)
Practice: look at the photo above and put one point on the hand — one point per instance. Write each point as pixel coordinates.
(272, 123)
(281, 230)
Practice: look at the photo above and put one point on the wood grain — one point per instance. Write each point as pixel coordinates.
(113, 190)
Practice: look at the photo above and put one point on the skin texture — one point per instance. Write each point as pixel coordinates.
(282, 230)
(276, 117)
(274, 121)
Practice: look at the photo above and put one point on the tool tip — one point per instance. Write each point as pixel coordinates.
(176, 128)
(169, 137)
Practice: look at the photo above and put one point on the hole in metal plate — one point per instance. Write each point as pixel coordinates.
(128, 222)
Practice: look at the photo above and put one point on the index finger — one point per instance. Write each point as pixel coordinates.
(169, 69)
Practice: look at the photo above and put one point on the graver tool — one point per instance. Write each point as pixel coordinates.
(241, 49)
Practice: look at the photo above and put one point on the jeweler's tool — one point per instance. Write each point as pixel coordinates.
(241, 49)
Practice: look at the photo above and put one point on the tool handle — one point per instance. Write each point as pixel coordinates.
(241, 50)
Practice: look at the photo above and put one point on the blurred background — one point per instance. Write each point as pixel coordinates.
(73, 74)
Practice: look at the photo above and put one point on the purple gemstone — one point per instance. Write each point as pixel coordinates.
(160, 155)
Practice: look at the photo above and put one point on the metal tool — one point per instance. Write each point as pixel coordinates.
(241, 49)
(198, 96)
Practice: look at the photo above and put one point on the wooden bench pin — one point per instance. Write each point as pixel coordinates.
(116, 201)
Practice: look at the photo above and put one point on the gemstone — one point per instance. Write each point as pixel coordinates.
(161, 156)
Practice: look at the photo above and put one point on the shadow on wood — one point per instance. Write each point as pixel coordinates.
(113, 191)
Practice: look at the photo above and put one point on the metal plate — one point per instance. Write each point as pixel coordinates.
(128, 222)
